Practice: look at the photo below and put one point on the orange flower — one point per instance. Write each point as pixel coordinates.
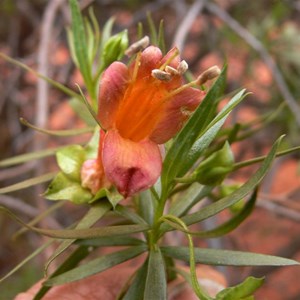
(140, 107)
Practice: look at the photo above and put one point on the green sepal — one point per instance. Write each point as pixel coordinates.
(70, 160)
(112, 195)
(62, 188)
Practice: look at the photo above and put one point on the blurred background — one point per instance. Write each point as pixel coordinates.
(260, 41)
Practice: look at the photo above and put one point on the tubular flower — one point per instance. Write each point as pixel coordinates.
(140, 107)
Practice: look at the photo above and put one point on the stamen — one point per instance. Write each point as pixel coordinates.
(182, 67)
(161, 75)
(136, 66)
(176, 53)
(138, 46)
(171, 71)
(209, 74)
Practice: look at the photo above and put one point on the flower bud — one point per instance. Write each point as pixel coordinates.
(115, 47)
(213, 170)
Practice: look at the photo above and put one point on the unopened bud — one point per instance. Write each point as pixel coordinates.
(171, 71)
(209, 74)
(138, 46)
(161, 75)
(182, 67)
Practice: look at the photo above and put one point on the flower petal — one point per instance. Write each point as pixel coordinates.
(112, 87)
(176, 113)
(150, 59)
(131, 166)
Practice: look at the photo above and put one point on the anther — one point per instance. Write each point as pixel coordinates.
(182, 67)
(138, 46)
(209, 74)
(171, 71)
(161, 75)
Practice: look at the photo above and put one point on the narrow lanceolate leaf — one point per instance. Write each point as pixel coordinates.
(242, 290)
(210, 132)
(237, 195)
(188, 199)
(62, 133)
(27, 157)
(156, 285)
(231, 224)
(28, 183)
(219, 257)
(136, 289)
(72, 261)
(190, 133)
(111, 241)
(95, 213)
(96, 266)
(129, 215)
(79, 36)
(81, 233)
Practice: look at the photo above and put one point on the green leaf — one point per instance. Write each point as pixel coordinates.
(152, 29)
(161, 37)
(220, 257)
(231, 224)
(70, 160)
(63, 188)
(96, 266)
(177, 154)
(241, 291)
(209, 133)
(129, 214)
(106, 32)
(27, 157)
(188, 199)
(81, 233)
(28, 183)
(146, 206)
(111, 241)
(240, 193)
(156, 285)
(61, 133)
(72, 261)
(136, 289)
(95, 213)
(80, 42)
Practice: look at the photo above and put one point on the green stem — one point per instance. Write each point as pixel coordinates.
(252, 161)
(200, 292)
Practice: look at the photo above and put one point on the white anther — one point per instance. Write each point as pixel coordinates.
(171, 71)
(138, 46)
(161, 75)
(182, 67)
